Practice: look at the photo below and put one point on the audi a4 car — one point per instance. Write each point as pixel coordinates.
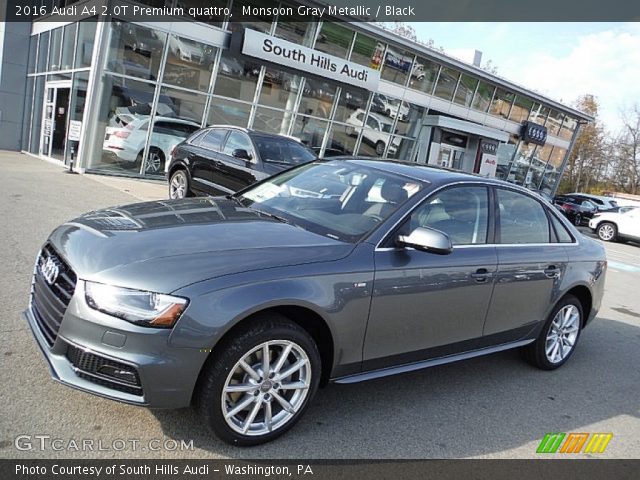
(226, 159)
(343, 270)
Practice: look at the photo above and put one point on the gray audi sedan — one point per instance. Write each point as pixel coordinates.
(341, 271)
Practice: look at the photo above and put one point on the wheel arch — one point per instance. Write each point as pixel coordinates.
(585, 297)
(304, 316)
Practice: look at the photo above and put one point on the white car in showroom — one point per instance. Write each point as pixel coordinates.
(126, 135)
(187, 50)
(622, 225)
(376, 131)
(392, 107)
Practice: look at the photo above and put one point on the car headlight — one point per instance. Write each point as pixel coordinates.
(148, 309)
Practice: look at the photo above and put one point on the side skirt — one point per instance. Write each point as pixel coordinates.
(410, 367)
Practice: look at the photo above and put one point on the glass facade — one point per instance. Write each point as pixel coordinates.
(152, 88)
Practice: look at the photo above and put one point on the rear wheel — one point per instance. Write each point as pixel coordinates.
(607, 231)
(179, 185)
(155, 161)
(577, 220)
(260, 381)
(558, 337)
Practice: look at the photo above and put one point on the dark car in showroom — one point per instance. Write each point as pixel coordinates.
(579, 210)
(343, 270)
(224, 159)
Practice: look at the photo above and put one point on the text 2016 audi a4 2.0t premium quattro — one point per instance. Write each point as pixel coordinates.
(343, 271)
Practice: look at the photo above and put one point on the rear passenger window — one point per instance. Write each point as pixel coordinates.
(562, 234)
(460, 212)
(522, 219)
(213, 139)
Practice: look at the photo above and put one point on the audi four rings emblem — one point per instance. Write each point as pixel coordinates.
(49, 270)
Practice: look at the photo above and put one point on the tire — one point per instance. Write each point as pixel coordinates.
(607, 232)
(566, 317)
(179, 185)
(577, 220)
(380, 147)
(155, 161)
(223, 370)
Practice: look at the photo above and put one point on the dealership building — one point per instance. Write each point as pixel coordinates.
(115, 96)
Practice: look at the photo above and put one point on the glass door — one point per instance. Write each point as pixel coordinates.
(55, 115)
(48, 119)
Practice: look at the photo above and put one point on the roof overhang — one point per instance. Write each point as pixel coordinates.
(462, 126)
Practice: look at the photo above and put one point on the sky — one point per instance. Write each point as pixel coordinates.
(559, 60)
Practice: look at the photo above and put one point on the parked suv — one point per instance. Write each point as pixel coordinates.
(225, 159)
(126, 135)
(623, 224)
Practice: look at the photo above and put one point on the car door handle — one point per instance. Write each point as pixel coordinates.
(481, 275)
(552, 271)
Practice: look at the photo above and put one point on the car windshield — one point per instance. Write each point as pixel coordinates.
(337, 199)
(282, 150)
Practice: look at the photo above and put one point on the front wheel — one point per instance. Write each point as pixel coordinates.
(559, 336)
(260, 381)
(380, 148)
(607, 232)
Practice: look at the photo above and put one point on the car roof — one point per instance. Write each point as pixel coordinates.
(252, 132)
(427, 173)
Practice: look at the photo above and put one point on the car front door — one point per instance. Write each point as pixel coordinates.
(424, 305)
(531, 264)
(232, 173)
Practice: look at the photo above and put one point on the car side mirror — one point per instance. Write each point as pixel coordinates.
(241, 153)
(427, 240)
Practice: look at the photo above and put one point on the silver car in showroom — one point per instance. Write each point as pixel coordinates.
(343, 271)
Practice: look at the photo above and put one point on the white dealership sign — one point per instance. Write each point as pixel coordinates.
(282, 52)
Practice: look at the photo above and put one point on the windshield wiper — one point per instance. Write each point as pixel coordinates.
(235, 199)
(274, 216)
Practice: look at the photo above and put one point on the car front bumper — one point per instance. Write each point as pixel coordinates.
(166, 375)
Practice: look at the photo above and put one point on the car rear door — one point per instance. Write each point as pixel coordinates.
(531, 263)
(232, 174)
(204, 160)
(426, 305)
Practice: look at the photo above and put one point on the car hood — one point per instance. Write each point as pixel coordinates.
(165, 245)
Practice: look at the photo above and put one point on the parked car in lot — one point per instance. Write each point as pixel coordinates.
(578, 210)
(225, 159)
(342, 270)
(601, 202)
(621, 225)
(376, 133)
(126, 135)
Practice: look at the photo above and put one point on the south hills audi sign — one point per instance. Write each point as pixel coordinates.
(283, 52)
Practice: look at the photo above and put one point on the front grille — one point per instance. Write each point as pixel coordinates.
(50, 300)
(88, 366)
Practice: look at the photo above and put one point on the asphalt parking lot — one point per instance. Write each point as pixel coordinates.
(491, 407)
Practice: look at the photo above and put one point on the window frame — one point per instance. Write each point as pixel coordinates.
(252, 147)
(388, 240)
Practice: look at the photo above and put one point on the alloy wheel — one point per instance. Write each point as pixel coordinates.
(154, 162)
(178, 186)
(562, 334)
(266, 388)
(606, 232)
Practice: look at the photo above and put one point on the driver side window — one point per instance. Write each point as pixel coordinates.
(460, 212)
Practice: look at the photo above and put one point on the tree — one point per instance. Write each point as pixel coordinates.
(628, 151)
(587, 163)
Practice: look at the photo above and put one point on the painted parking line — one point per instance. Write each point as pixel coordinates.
(624, 266)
